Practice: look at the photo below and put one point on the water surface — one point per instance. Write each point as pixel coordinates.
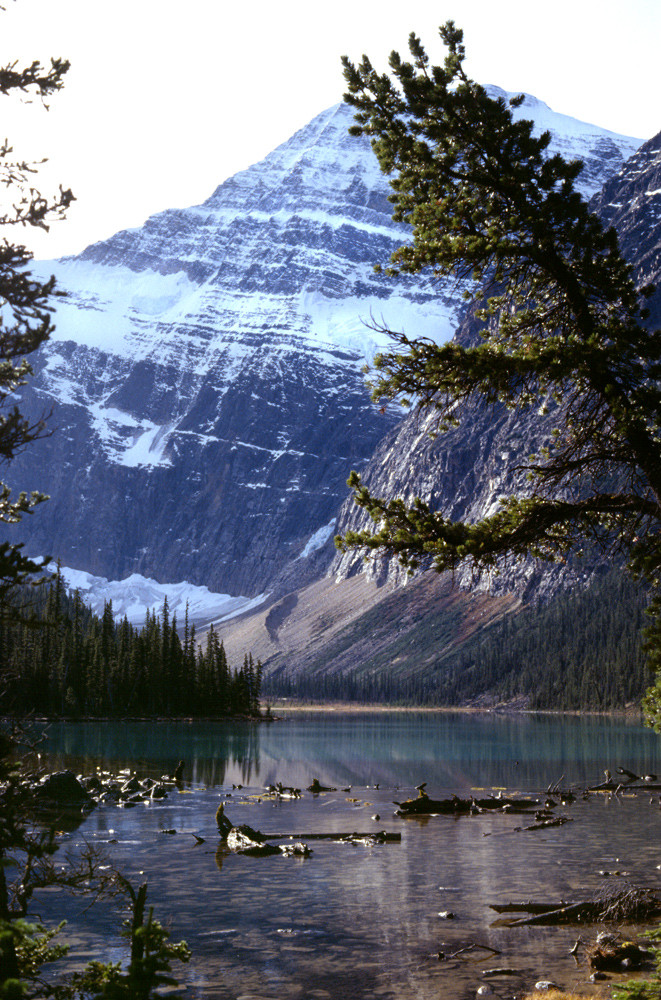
(356, 921)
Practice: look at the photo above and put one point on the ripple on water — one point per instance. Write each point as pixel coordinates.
(362, 922)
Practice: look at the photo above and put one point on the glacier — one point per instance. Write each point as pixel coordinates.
(136, 596)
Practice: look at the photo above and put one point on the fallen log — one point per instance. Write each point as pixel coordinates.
(316, 787)
(381, 836)
(543, 824)
(621, 902)
(614, 786)
(528, 907)
(424, 806)
(474, 946)
(281, 791)
(576, 913)
(243, 840)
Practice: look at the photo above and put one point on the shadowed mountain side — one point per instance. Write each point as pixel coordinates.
(631, 202)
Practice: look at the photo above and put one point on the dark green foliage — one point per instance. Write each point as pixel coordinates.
(583, 650)
(150, 965)
(60, 659)
(27, 864)
(26, 312)
(562, 325)
(52, 656)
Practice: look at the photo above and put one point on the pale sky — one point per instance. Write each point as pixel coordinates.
(167, 98)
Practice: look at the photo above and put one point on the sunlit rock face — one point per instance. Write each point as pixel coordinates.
(205, 376)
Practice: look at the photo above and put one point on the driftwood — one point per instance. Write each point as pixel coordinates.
(504, 970)
(544, 823)
(281, 791)
(424, 806)
(316, 787)
(244, 840)
(474, 946)
(381, 837)
(573, 913)
(528, 907)
(617, 786)
(628, 780)
(544, 819)
(620, 901)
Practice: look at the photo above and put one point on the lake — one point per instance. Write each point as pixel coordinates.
(360, 921)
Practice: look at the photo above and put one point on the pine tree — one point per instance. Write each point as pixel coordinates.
(26, 311)
(562, 326)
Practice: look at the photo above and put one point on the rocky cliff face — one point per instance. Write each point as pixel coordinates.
(462, 472)
(205, 375)
(466, 470)
(631, 202)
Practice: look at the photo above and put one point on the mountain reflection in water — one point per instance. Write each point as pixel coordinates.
(353, 920)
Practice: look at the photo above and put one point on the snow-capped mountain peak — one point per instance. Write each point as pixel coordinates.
(205, 374)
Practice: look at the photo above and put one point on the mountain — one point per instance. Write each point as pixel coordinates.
(205, 376)
(362, 622)
(631, 202)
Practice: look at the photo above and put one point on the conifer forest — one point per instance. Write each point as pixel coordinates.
(62, 659)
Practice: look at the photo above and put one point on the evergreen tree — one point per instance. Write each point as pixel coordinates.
(26, 312)
(562, 325)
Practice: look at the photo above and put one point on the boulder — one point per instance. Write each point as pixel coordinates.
(62, 787)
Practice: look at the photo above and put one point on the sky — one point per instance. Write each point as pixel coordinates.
(166, 99)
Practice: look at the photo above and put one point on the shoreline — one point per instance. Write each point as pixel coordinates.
(353, 708)
(272, 710)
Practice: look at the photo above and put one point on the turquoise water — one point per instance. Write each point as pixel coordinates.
(357, 921)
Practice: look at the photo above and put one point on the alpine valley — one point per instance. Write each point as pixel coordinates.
(207, 400)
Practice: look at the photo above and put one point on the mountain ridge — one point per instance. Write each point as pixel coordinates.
(205, 374)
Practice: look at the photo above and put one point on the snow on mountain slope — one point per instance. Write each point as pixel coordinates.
(205, 373)
(136, 595)
(603, 153)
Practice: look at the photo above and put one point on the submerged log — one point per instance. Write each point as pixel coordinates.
(316, 787)
(223, 822)
(297, 850)
(574, 913)
(543, 824)
(614, 786)
(281, 791)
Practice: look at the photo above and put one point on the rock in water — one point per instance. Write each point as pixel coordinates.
(62, 787)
